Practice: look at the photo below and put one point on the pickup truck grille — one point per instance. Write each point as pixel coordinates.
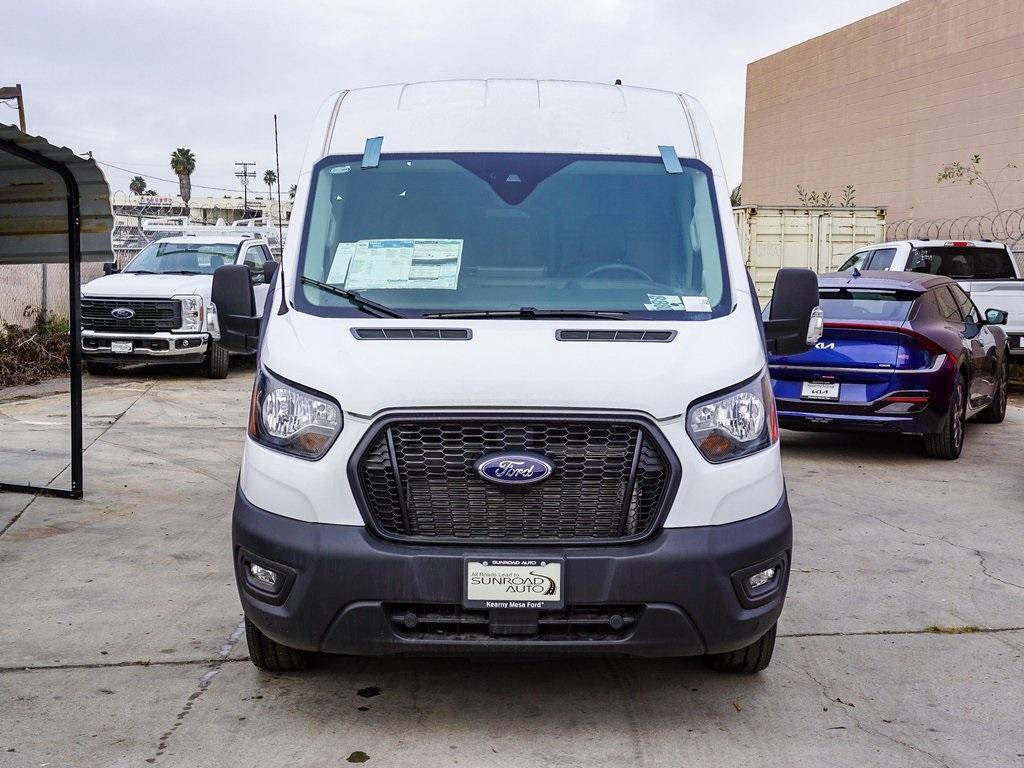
(417, 480)
(150, 315)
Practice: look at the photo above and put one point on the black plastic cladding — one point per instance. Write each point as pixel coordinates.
(414, 479)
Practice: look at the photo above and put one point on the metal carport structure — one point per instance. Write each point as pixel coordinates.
(54, 209)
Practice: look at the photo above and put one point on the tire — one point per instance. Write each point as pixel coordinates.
(217, 361)
(949, 441)
(996, 411)
(270, 656)
(96, 368)
(747, 660)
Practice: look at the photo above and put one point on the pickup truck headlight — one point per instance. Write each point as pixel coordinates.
(291, 419)
(736, 423)
(193, 313)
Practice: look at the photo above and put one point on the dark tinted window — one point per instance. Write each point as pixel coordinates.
(882, 258)
(947, 306)
(962, 263)
(866, 305)
(967, 308)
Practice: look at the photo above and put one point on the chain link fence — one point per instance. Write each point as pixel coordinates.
(28, 291)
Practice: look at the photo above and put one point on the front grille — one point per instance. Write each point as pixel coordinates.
(150, 315)
(451, 621)
(611, 480)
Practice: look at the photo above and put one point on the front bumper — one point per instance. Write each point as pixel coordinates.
(176, 347)
(341, 588)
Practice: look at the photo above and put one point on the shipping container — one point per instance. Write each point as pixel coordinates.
(802, 236)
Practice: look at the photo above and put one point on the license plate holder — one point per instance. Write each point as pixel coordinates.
(512, 583)
(122, 347)
(819, 390)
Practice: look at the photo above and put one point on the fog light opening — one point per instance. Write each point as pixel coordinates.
(761, 579)
(263, 577)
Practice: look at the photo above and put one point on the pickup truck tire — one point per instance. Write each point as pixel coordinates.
(96, 368)
(217, 361)
(949, 441)
(996, 411)
(271, 656)
(747, 660)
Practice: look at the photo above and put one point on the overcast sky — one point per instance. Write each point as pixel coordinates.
(133, 80)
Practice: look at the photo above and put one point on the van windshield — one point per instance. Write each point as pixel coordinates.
(501, 232)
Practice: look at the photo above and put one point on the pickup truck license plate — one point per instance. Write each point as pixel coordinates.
(820, 390)
(504, 583)
(121, 347)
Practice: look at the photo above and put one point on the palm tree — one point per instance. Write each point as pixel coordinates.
(137, 185)
(269, 177)
(150, 193)
(736, 196)
(183, 162)
(292, 190)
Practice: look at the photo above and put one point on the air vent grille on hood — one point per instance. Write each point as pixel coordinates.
(412, 334)
(585, 335)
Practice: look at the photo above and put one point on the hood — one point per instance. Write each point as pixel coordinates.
(514, 363)
(127, 285)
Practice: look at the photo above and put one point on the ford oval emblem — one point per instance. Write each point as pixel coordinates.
(514, 468)
(122, 313)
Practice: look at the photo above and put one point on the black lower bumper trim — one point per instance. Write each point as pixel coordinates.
(349, 592)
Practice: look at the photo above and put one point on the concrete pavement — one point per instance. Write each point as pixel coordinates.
(119, 641)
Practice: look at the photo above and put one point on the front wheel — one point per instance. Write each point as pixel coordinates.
(949, 441)
(217, 361)
(996, 410)
(748, 659)
(272, 656)
(96, 368)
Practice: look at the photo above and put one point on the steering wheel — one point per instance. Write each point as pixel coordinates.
(636, 271)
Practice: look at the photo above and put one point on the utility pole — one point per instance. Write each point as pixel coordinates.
(277, 165)
(14, 92)
(245, 174)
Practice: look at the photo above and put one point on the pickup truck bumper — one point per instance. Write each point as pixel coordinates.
(174, 347)
(343, 590)
(1015, 341)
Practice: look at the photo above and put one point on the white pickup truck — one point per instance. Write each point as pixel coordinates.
(158, 309)
(987, 271)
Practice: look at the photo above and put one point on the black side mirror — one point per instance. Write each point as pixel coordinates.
(236, 308)
(996, 317)
(110, 268)
(795, 321)
(269, 270)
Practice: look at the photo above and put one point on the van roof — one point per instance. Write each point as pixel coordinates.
(519, 116)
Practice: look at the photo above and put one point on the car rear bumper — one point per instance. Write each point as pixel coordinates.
(915, 424)
(343, 590)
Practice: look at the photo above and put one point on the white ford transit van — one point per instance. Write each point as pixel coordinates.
(512, 393)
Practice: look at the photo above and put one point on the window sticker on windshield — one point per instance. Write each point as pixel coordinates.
(696, 303)
(661, 303)
(398, 263)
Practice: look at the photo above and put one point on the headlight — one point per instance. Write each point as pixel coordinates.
(292, 420)
(735, 424)
(192, 312)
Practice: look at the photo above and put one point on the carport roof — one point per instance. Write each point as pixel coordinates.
(33, 204)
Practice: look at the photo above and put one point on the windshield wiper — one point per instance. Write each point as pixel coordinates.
(181, 272)
(368, 306)
(530, 313)
(137, 272)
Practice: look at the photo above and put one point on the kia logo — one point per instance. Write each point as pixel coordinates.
(122, 313)
(514, 468)
(825, 345)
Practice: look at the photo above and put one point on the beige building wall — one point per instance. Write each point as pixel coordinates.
(885, 102)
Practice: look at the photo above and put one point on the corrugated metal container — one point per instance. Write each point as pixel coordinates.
(797, 236)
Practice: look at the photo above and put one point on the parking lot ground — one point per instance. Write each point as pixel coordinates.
(902, 642)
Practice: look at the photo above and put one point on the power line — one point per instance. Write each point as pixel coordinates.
(157, 178)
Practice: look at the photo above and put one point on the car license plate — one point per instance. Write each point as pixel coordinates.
(121, 347)
(820, 390)
(501, 583)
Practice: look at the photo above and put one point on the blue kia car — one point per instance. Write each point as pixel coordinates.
(903, 352)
